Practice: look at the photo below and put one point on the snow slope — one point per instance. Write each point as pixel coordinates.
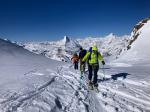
(127, 84)
(140, 48)
(33, 83)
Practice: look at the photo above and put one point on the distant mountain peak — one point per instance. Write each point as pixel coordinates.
(66, 39)
(111, 35)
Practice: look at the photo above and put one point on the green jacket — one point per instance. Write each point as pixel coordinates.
(94, 58)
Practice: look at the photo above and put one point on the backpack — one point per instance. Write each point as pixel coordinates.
(75, 58)
(89, 58)
(82, 53)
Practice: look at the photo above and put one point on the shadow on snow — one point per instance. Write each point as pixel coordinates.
(115, 77)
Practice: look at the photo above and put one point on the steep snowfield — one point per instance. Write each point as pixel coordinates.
(127, 84)
(140, 48)
(33, 83)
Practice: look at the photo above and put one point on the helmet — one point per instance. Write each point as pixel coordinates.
(94, 48)
(81, 48)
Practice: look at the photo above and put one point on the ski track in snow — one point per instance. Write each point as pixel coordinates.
(48, 98)
(79, 100)
(19, 100)
(35, 88)
(133, 99)
(130, 98)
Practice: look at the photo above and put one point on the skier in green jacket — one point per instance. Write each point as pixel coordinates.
(93, 58)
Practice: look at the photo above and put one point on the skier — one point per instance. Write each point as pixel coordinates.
(82, 53)
(75, 60)
(93, 65)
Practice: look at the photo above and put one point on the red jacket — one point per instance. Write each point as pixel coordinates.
(75, 58)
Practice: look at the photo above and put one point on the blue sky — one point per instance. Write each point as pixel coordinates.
(39, 20)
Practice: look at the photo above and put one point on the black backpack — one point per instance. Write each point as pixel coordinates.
(82, 53)
(89, 58)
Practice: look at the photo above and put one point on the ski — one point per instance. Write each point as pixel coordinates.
(90, 87)
(96, 89)
(81, 80)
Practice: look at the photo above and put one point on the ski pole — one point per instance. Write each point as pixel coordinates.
(103, 72)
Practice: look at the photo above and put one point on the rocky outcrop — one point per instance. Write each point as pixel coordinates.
(135, 34)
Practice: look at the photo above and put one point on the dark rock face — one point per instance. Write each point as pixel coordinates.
(137, 27)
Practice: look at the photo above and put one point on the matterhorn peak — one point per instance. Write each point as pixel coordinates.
(111, 35)
(66, 39)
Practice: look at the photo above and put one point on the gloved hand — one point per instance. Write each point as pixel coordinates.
(103, 62)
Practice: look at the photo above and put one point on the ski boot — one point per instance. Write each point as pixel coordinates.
(96, 88)
(90, 85)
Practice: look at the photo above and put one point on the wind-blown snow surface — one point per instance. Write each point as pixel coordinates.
(33, 83)
(140, 48)
(129, 87)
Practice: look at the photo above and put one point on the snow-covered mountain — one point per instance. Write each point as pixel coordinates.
(131, 73)
(59, 50)
(110, 46)
(33, 83)
(139, 43)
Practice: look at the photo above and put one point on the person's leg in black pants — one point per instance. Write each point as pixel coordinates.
(95, 76)
(90, 72)
(76, 65)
